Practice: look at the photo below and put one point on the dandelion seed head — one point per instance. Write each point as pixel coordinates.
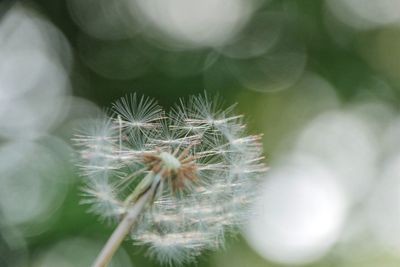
(207, 169)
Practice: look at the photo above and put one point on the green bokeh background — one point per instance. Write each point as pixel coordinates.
(363, 68)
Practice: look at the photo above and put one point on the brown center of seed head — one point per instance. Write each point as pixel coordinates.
(186, 169)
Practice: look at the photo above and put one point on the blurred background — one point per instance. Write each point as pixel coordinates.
(320, 79)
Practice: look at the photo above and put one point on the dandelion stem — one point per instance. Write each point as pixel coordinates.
(125, 226)
(144, 185)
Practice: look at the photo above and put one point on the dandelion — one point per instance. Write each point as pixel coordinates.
(175, 182)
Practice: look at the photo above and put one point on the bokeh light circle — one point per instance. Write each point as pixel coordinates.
(299, 214)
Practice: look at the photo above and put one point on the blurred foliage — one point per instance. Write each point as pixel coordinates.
(316, 65)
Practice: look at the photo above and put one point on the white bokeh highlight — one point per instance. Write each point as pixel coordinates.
(345, 144)
(34, 182)
(336, 184)
(33, 74)
(365, 14)
(184, 24)
(299, 215)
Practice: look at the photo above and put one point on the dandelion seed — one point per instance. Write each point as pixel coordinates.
(185, 178)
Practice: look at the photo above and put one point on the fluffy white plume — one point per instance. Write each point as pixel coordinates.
(209, 170)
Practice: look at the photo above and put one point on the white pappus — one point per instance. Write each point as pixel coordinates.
(203, 167)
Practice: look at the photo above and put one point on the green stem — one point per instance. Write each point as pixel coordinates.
(144, 184)
(127, 222)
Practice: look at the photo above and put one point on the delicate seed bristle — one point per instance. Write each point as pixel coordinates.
(206, 168)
